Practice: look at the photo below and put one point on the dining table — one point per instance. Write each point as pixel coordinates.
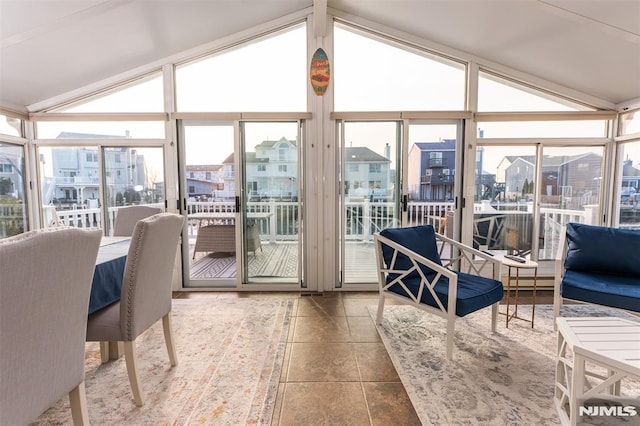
(106, 286)
(107, 277)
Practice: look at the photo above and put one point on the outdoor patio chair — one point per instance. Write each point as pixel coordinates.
(146, 293)
(423, 269)
(222, 239)
(44, 298)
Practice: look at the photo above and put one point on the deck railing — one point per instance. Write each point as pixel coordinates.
(84, 218)
(361, 218)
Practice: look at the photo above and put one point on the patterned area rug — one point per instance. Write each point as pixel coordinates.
(274, 260)
(506, 378)
(230, 355)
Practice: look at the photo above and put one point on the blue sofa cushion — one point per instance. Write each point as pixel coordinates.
(604, 250)
(608, 290)
(474, 292)
(420, 239)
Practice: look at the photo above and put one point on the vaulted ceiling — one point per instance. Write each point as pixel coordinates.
(51, 47)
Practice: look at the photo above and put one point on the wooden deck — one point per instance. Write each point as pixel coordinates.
(279, 261)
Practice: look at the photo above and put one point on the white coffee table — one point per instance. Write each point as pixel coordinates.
(600, 343)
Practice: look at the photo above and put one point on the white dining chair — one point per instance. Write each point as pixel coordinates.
(127, 217)
(45, 281)
(146, 293)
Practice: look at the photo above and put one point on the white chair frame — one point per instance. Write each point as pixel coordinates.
(462, 256)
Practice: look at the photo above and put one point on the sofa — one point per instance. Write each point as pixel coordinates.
(598, 265)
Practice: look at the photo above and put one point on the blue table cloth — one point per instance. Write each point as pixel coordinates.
(107, 277)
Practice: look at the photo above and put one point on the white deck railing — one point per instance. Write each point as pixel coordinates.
(361, 218)
(86, 218)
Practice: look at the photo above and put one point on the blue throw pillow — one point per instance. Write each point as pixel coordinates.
(603, 250)
(420, 239)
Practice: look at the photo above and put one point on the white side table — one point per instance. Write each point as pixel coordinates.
(512, 264)
(607, 343)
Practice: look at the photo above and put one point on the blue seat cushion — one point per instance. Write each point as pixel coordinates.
(474, 292)
(603, 289)
(601, 249)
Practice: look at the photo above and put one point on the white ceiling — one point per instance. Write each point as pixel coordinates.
(51, 47)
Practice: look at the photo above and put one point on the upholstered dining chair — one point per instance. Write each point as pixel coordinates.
(45, 281)
(127, 218)
(436, 274)
(146, 293)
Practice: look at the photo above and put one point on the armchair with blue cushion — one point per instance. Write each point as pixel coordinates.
(418, 267)
(598, 265)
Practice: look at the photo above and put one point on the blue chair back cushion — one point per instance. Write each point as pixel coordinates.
(419, 239)
(474, 292)
(602, 289)
(604, 250)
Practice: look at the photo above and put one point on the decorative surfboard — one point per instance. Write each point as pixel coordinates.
(319, 72)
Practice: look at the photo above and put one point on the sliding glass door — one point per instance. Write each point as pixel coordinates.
(370, 193)
(570, 191)
(386, 182)
(526, 192)
(241, 195)
(505, 191)
(433, 165)
(208, 194)
(628, 202)
(271, 200)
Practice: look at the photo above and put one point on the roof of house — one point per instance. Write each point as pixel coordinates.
(270, 143)
(362, 154)
(74, 135)
(204, 167)
(443, 145)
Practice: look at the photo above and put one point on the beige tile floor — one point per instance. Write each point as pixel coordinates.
(336, 369)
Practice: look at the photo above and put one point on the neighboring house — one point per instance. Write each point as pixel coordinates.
(565, 176)
(367, 174)
(229, 177)
(431, 173)
(630, 180)
(204, 180)
(76, 172)
(11, 183)
(572, 176)
(271, 171)
(517, 174)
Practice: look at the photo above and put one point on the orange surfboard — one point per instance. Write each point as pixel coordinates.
(320, 72)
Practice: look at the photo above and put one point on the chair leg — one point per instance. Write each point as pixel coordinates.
(557, 302)
(380, 309)
(132, 370)
(78, 399)
(494, 316)
(104, 352)
(450, 328)
(168, 339)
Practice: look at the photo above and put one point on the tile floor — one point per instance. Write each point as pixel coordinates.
(336, 369)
